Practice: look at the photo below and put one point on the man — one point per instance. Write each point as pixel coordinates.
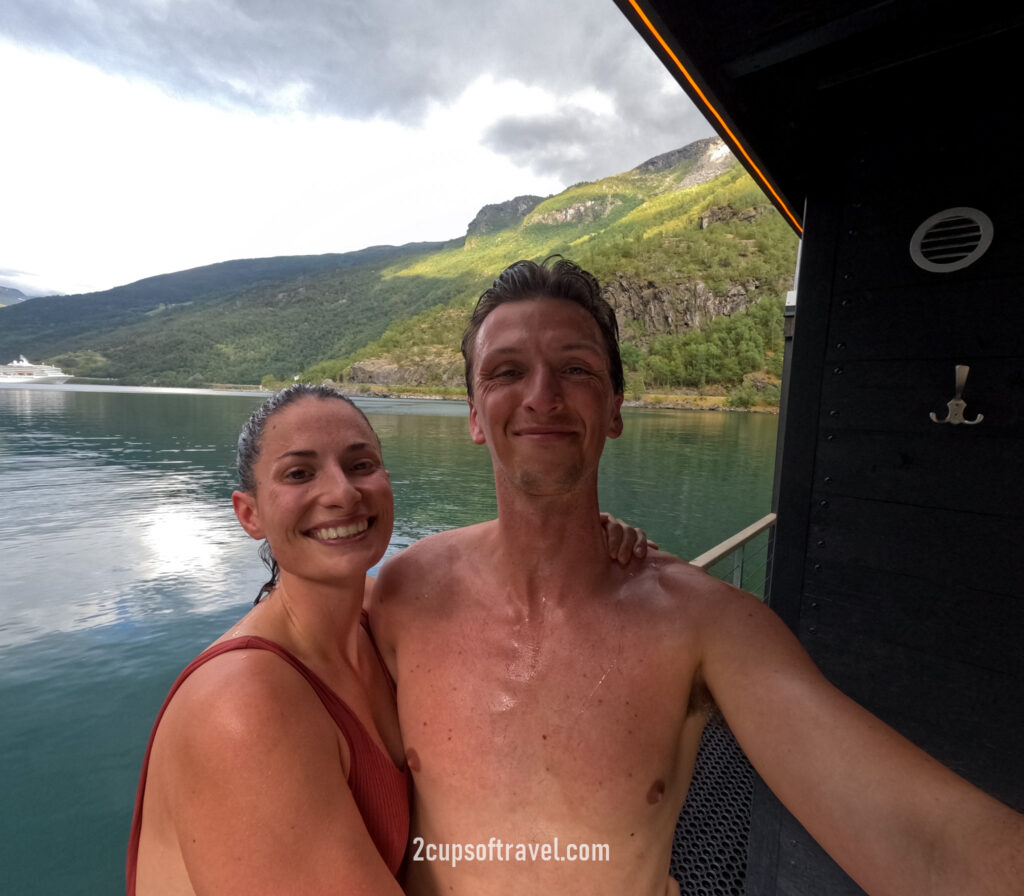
(551, 701)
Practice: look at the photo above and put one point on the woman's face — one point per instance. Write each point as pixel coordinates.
(323, 499)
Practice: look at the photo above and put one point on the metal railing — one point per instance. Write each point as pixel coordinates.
(742, 558)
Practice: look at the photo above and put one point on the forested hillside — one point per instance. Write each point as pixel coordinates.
(223, 323)
(697, 275)
(691, 255)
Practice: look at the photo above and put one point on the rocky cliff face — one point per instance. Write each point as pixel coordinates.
(447, 370)
(728, 213)
(711, 157)
(579, 213)
(662, 308)
(492, 218)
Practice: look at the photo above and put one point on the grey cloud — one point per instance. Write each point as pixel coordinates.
(354, 58)
(387, 60)
(575, 144)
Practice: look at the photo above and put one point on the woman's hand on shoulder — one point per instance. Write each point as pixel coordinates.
(625, 542)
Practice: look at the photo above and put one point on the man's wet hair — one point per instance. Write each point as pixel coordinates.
(554, 278)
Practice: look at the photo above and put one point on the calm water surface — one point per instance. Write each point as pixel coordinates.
(121, 559)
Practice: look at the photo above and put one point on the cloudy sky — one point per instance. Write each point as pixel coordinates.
(148, 136)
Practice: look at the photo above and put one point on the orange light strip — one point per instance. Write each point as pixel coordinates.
(707, 104)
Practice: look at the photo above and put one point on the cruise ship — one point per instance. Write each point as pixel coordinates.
(24, 371)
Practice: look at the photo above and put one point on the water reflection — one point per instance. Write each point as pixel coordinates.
(105, 493)
(178, 537)
(29, 403)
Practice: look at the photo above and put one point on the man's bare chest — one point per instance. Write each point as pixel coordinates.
(591, 716)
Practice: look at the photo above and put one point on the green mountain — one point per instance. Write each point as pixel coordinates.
(224, 323)
(691, 254)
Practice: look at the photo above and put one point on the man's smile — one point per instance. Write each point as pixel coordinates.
(544, 430)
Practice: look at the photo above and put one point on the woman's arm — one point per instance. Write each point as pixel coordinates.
(258, 786)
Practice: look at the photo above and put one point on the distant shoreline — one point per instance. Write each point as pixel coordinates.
(654, 401)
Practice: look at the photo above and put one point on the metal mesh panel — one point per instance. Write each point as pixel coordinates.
(709, 851)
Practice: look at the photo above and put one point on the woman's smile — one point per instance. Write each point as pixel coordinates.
(340, 530)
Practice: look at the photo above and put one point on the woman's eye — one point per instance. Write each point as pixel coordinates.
(296, 475)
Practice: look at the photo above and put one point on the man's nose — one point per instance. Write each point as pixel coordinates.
(543, 389)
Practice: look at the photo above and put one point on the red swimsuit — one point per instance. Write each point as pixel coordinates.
(380, 789)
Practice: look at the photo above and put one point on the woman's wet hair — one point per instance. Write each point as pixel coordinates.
(555, 278)
(250, 442)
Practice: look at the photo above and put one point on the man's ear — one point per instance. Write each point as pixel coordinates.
(616, 426)
(475, 430)
(245, 510)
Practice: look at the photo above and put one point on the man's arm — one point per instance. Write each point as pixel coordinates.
(895, 819)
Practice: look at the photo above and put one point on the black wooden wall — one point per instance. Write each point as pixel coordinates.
(899, 552)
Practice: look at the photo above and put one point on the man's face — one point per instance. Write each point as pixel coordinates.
(542, 394)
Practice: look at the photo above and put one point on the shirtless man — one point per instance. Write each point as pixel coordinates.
(551, 701)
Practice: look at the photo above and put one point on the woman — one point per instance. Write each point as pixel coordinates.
(276, 764)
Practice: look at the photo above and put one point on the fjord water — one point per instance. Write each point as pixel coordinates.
(120, 559)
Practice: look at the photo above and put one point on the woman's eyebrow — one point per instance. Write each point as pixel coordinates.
(297, 452)
(309, 452)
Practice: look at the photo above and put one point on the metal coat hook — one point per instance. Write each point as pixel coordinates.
(957, 404)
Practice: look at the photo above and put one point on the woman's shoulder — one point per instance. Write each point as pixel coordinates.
(247, 762)
(238, 694)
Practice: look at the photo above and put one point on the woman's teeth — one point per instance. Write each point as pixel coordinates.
(341, 531)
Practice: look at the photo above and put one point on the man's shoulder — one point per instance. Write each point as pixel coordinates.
(673, 585)
(430, 548)
(433, 563)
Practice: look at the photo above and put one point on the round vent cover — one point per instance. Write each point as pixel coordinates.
(951, 240)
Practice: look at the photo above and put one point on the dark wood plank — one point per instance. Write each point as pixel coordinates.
(948, 549)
